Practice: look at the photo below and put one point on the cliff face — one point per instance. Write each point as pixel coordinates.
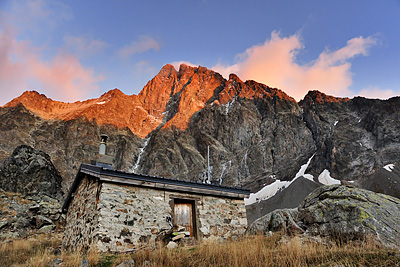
(255, 134)
(353, 137)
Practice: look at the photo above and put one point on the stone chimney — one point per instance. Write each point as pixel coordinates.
(103, 160)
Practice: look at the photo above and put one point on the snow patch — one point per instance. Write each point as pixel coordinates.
(266, 192)
(302, 171)
(326, 179)
(336, 122)
(389, 167)
(101, 103)
(270, 190)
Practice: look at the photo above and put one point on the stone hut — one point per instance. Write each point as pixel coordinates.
(118, 211)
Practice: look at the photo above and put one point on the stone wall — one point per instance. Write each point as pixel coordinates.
(82, 217)
(129, 216)
(222, 217)
(132, 216)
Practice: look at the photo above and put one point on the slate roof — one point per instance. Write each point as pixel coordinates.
(160, 183)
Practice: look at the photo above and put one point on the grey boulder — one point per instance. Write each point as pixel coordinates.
(339, 212)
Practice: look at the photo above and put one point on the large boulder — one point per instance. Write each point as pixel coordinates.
(30, 171)
(341, 212)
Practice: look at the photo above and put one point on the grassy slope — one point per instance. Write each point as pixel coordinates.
(251, 251)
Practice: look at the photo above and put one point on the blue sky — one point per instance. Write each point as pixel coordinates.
(74, 50)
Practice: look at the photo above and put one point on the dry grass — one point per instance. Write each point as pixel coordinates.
(22, 252)
(251, 251)
(271, 251)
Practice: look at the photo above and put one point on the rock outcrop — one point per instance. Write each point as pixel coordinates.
(340, 212)
(30, 171)
(22, 215)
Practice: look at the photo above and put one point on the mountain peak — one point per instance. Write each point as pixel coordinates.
(167, 71)
(112, 94)
(234, 77)
(315, 96)
(183, 67)
(27, 96)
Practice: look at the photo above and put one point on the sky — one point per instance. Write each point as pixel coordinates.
(75, 50)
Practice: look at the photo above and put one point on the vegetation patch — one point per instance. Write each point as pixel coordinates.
(275, 250)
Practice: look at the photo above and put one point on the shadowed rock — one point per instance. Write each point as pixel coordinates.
(28, 171)
(385, 181)
(340, 212)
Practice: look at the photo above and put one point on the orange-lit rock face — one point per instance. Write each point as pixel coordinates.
(171, 97)
(113, 107)
(250, 89)
(195, 86)
(320, 98)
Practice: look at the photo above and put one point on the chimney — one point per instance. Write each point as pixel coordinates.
(103, 144)
(103, 160)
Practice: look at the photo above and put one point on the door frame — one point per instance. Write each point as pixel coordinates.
(184, 199)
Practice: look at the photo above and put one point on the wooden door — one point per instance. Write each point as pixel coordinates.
(184, 216)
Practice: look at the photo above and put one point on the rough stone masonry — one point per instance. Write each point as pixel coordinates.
(119, 217)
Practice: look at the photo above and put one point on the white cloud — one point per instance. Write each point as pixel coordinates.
(144, 68)
(376, 92)
(274, 63)
(37, 15)
(177, 64)
(83, 45)
(143, 44)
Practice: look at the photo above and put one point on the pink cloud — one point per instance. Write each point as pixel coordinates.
(22, 68)
(11, 72)
(64, 77)
(274, 63)
(143, 44)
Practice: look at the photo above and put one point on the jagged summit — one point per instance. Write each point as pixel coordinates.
(169, 99)
(167, 71)
(113, 93)
(315, 96)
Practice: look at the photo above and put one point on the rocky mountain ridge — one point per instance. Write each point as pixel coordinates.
(255, 134)
(170, 98)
